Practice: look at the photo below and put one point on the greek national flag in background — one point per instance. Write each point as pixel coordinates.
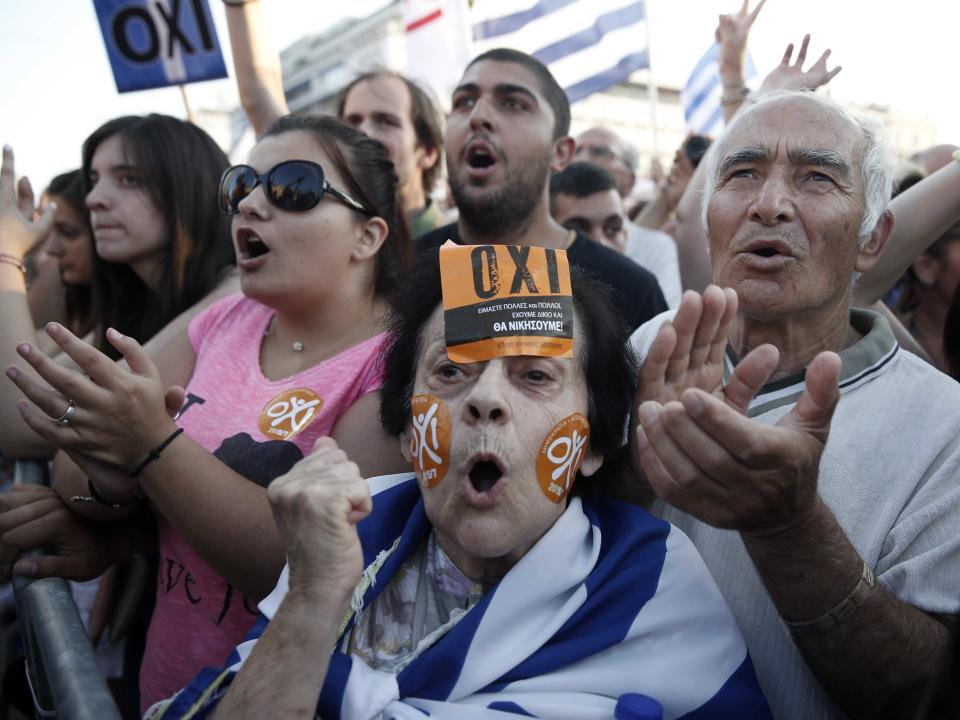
(701, 95)
(588, 45)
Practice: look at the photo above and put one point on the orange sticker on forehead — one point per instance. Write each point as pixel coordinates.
(501, 300)
(561, 453)
(430, 440)
(289, 413)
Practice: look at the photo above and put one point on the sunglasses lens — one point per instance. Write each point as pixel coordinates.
(238, 182)
(295, 185)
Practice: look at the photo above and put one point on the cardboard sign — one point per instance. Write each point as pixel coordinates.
(501, 300)
(155, 43)
(289, 413)
(430, 441)
(561, 453)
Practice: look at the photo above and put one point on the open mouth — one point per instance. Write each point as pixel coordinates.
(484, 475)
(479, 159)
(765, 252)
(480, 155)
(250, 245)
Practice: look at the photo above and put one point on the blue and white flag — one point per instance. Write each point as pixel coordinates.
(588, 45)
(701, 95)
(155, 43)
(610, 601)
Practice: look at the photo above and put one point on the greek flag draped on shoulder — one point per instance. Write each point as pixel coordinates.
(610, 601)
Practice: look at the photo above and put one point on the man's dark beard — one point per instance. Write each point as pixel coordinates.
(507, 211)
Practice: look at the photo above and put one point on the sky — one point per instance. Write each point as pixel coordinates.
(56, 85)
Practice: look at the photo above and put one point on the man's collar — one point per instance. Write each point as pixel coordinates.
(862, 361)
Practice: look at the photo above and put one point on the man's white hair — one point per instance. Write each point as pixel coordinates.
(876, 161)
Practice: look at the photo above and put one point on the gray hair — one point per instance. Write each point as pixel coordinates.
(876, 161)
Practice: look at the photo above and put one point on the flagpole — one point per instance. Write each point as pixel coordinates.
(652, 94)
(186, 104)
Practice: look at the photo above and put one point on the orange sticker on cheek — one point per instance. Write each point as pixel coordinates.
(561, 453)
(430, 441)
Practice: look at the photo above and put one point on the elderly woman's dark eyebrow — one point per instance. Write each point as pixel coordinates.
(744, 155)
(827, 159)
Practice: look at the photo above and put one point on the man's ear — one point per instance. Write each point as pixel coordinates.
(373, 233)
(427, 158)
(591, 463)
(926, 268)
(563, 150)
(875, 243)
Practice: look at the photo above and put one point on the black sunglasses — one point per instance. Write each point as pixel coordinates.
(295, 185)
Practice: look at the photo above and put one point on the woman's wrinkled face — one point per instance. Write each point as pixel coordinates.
(489, 504)
(70, 243)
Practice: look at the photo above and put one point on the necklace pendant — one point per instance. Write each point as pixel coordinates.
(297, 346)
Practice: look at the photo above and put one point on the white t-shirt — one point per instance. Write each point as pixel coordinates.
(657, 252)
(890, 474)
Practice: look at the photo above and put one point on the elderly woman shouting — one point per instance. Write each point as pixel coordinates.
(487, 583)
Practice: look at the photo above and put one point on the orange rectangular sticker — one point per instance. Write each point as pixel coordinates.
(501, 300)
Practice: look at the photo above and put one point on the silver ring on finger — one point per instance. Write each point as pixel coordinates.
(64, 419)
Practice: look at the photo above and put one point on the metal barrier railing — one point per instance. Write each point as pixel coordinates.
(61, 665)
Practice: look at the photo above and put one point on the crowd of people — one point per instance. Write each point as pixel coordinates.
(237, 371)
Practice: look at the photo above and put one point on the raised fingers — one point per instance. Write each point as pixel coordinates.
(654, 369)
(8, 190)
(101, 369)
(67, 382)
(25, 198)
(802, 55)
(137, 359)
(685, 323)
(718, 347)
(714, 304)
(749, 376)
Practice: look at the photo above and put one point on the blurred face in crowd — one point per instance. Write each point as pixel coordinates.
(784, 216)
(380, 107)
(489, 506)
(939, 276)
(603, 148)
(70, 243)
(128, 228)
(500, 147)
(598, 216)
(293, 260)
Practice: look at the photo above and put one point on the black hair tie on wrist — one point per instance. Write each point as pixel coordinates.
(155, 453)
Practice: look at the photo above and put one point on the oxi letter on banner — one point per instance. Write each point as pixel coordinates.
(155, 43)
(501, 300)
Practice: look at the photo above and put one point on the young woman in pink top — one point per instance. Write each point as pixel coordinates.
(320, 245)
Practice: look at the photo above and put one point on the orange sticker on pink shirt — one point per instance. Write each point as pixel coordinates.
(430, 442)
(289, 413)
(560, 456)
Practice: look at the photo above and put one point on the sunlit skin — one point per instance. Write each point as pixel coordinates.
(128, 228)
(70, 243)
(501, 410)
(380, 108)
(783, 225)
(310, 255)
(499, 112)
(599, 216)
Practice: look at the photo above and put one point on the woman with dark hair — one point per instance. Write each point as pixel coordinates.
(71, 243)
(320, 243)
(161, 243)
(163, 251)
(928, 286)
